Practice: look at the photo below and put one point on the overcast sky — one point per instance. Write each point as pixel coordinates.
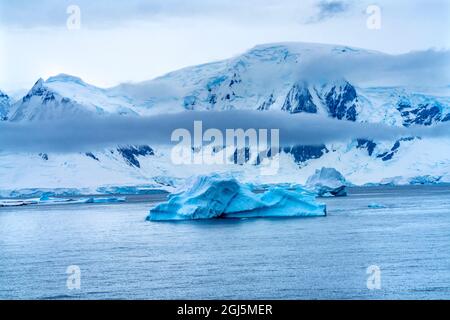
(137, 40)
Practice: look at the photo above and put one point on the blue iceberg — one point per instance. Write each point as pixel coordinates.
(105, 200)
(224, 197)
(376, 206)
(328, 182)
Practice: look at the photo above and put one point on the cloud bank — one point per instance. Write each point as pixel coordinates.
(419, 68)
(91, 134)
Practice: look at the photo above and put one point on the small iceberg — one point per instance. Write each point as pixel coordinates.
(224, 197)
(18, 203)
(106, 200)
(376, 206)
(328, 182)
(46, 199)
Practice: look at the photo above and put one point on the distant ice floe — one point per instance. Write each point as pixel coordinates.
(51, 200)
(47, 200)
(328, 182)
(138, 189)
(376, 206)
(217, 196)
(17, 203)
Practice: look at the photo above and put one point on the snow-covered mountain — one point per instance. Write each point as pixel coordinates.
(268, 77)
(277, 77)
(65, 96)
(274, 76)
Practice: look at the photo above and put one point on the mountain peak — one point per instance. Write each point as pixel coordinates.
(37, 87)
(39, 83)
(3, 95)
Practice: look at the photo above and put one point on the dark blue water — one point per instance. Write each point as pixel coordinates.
(122, 256)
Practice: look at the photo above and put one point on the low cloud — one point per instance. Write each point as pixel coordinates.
(91, 134)
(365, 68)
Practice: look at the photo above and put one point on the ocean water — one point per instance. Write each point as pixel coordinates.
(122, 256)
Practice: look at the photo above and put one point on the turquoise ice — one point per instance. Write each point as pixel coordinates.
(224, 197)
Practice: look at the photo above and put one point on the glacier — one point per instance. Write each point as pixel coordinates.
(218, 196)
(328, 182)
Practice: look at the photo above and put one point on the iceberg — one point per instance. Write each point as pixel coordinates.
(328, 182)
(216, 196)
(106, 200)
(47, 199)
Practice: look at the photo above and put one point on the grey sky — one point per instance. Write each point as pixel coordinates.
(138, 40)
